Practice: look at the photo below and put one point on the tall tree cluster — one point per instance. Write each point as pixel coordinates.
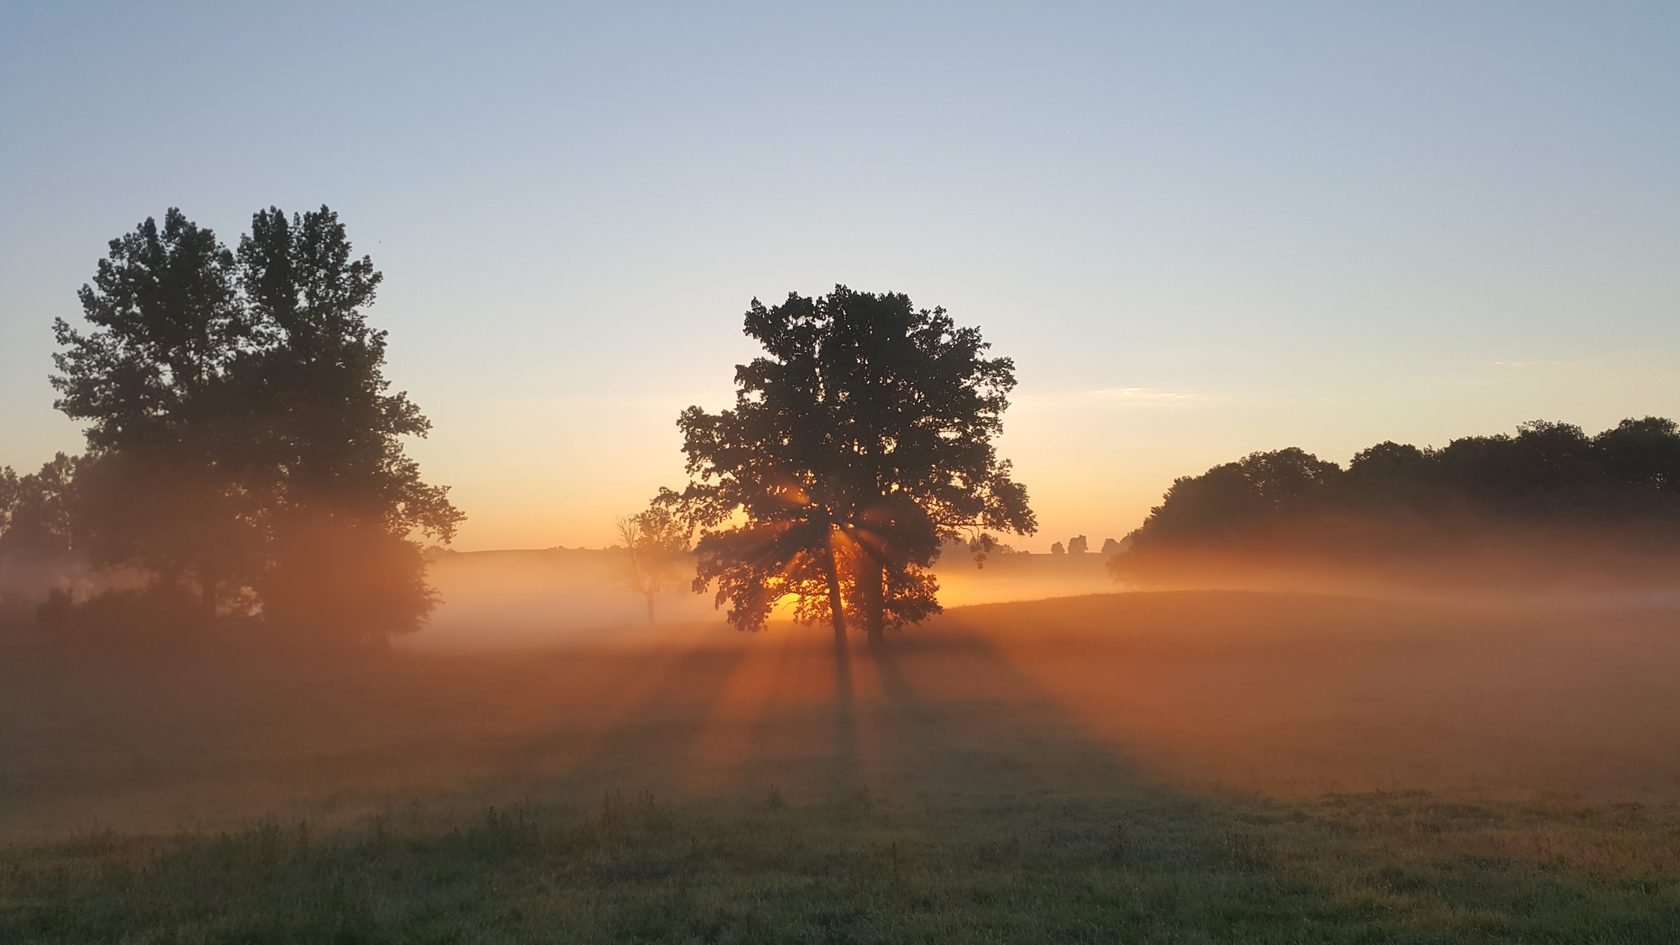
(859, 442)
(242, 440)
(1395, 497)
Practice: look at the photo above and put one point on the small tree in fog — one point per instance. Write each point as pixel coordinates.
(1077, 545)
(1057, 549)
(654, 552)
(1110, 547)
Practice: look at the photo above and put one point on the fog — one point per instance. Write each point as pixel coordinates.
(1538, 567)
(500, 599)
(563, 597)
(539, 679)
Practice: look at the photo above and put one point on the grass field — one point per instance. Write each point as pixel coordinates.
(1187, 767)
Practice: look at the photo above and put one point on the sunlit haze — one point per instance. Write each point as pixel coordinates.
(1200, 230)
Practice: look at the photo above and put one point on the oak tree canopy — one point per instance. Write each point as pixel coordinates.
(860, 441)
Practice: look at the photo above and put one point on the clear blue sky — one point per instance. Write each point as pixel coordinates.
(1200, 229)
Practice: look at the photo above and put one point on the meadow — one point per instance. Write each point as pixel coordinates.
(1142, 767)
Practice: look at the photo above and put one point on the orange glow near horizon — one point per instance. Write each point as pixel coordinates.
(1235, 690)
(1284, 694)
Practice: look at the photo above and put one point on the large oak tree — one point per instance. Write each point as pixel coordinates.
(860, 441)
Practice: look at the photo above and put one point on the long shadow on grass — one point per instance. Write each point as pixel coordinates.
(627, 737)
(844, 757)
(1050, 814)
(955, 799)
(983, 743)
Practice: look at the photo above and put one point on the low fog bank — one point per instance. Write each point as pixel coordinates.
(1285, 694)
(563, 597)
(550, 596)
(1537, 567)
(566, 596)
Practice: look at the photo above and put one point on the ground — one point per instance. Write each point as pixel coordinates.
(1190, 767)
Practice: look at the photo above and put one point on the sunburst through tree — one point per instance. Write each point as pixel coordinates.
(860, 441)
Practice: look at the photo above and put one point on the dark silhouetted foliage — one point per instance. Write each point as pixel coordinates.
(1259, 490)
(340, 495)
(241, 437)
(158, 614)
(37, 551)
(859, 442)
(152, 378)
(36, 547)
(1398, 499)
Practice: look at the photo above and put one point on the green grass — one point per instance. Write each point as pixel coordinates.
(896, 805)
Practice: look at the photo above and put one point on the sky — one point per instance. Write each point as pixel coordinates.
(1198, 229)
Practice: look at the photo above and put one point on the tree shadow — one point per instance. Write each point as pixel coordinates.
(845, 758)
(941, 790)
(634, 732)
(980, 742)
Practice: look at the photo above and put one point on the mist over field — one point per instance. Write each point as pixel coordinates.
(569, 596)
(1473, 744)
(565, 597)
(1438, 770)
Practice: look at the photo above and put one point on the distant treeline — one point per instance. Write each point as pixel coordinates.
(1548, 480)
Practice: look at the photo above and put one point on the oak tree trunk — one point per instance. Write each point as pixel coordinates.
(836, 605)
(871, 590)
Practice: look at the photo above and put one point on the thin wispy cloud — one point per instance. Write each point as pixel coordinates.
(1143, 395)
(1119, 397)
